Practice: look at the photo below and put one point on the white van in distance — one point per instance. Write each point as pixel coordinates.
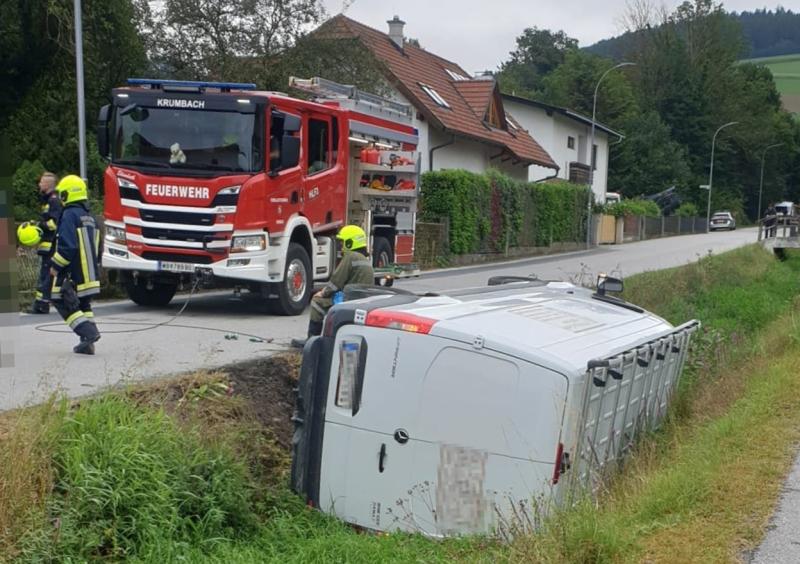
(449, 415)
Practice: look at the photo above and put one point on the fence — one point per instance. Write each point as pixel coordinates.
(639, 228)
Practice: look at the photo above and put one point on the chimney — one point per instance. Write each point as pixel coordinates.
(396, 31)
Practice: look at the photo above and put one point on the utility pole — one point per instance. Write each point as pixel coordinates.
(79, 80)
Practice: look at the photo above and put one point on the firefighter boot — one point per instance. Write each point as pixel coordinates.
(89, 336)
(314, 330)
(40, 306)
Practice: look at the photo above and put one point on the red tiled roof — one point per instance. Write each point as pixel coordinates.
(412, 66)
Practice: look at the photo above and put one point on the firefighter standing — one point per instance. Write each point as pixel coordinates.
(354, 268)
(76, 263)
(770, 220)
(48, 222)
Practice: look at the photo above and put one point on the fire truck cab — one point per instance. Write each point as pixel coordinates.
(245, 188)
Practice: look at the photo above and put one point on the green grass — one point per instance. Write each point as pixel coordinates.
(786, 70)
(119, 479)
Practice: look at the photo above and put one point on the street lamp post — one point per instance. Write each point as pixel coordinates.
(761, 184)
(711, 173)
(79, 80)
(591, 154)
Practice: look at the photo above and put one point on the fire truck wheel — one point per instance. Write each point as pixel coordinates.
(382, 254)
(158, 296)
(294, 292)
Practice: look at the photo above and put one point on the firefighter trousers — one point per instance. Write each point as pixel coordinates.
(45, 281)
(76, 312)
(319, 307)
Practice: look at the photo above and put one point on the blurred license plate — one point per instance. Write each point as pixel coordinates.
(176, 266)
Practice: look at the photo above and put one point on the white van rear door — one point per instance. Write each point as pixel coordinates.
(485, 440)
(366, 467)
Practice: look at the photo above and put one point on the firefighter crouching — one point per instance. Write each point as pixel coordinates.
(354, 268)
(48, 222)
(75, 261)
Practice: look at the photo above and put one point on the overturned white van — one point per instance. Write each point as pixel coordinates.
(456, 414)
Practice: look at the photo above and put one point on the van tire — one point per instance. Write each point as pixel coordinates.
(382, 254)
(159, 296)
(294, 293)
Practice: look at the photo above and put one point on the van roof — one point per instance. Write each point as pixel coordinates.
(555, 324)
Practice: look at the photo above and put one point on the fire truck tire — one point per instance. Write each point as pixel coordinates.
(294, 292)
(382, 254)
(159, 296)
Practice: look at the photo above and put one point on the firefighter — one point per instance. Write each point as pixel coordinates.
(354, 268)
(770, 220)
(48, 222)
(76, 263)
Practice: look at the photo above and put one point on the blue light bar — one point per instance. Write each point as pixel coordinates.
(159, 83)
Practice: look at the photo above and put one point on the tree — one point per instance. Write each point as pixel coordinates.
(539, 52)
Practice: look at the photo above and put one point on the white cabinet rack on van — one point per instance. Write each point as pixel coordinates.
(446, 415)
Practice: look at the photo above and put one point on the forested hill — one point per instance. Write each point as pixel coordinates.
(767, 33)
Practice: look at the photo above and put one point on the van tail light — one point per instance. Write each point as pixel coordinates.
(399, 320)
(562, 463)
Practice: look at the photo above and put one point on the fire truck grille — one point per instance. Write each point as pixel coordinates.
(181, 218)
(179, 235)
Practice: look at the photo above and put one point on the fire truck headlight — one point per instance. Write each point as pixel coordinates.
(115, 234)
(248, 243)
(230, 190)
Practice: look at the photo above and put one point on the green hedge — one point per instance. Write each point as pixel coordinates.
(633, 207)
(488, 211)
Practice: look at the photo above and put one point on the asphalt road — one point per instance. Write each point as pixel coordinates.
(217, 329)
(782, 543)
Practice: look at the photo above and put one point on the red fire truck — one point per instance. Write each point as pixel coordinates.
(246, 189)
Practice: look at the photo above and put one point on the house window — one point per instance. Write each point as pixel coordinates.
(570, 142)
(434, 95)
(455, 76)
(594, 157)
(319, 154)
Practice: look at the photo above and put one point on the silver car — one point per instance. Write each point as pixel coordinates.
(722, 220)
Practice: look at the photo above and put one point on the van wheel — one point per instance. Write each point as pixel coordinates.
(158, 296)
(294, 292)
(382, 254)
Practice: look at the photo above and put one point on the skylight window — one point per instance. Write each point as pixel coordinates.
(511, 124)
(455, 76)
(435, 96)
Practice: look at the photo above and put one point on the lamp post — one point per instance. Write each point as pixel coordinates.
(591, 153)
(711, 173)
(79, 80)
(761, 184)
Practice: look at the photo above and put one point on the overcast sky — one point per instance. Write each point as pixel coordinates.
(478, 34)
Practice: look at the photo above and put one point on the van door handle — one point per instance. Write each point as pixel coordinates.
(381, 457)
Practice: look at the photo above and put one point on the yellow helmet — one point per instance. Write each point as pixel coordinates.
(352, 237)
(71, 189)
(29, 234)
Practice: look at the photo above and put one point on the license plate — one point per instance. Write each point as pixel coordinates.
(176, 266)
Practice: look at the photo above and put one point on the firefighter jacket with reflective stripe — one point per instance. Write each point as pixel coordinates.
(48, 221)
(355, 268)
(77, 250)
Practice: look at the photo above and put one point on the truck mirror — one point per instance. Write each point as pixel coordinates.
(290, 152)
(608, 284)
(291, 123)
(102, 132)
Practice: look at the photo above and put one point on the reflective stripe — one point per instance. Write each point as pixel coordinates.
(38, 295)
(361, 262)
(51, 224)
(82, 250)
(59, 260)
(88, 288)
(316, 306)
(45, 246)
(88, 314)
(96, 242)
(332, 287)
(75, 319)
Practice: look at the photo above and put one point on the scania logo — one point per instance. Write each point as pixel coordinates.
(180, 103)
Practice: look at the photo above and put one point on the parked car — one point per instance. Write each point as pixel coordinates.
(462, 414)
(722, 220)
(785, 209)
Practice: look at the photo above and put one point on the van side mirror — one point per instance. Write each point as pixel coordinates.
(291, 123)
(608, 284)
(290, 152)
(102, 132)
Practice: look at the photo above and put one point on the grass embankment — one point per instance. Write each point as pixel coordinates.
(193, 475)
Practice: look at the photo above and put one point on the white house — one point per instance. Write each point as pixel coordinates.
(461, 120)
(565, 135)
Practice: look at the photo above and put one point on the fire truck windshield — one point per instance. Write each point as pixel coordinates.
(188, 139)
